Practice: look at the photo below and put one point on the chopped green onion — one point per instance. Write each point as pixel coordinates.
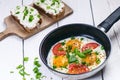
(77, 52)
(96, 53)
(98, 61)
(17, 7)
(17, 12)
(54, 67)
(26, 59)
(31, 17)
(72, 38)
(42, 1)
(38, 15)
(48, 7)
(102, 48)
(60, 49)
(19, 66)
(72, 58)
(87, 51)
(81, 39)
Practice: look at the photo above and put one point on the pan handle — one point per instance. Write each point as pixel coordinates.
(110, 20)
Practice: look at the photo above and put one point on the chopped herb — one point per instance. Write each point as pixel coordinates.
(68, 48)
(81, 39)
(72, 58)
(26, 59)
(19, 66)
(96, 53)
(37, 63)
(77, 52)
(38, 75)
(37, 3)
(31, 17)
(55, 56)
(87, 51)
(102, 48)
(42, 1)
(83, 63)
(63, 43)
(17, 7)
(72, 38)
(54, 67)
(11, 71)
(60, 49)
(36, 70)
(48, 7)
(32, 9)
(36, 58)
(25, 12)
(54, 1)
(38, 15)
(98, 61)
(17, 12)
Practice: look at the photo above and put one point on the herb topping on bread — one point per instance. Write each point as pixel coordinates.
(27, 16)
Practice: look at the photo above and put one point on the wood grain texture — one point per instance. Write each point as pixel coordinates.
(13, 27)
(11, 48)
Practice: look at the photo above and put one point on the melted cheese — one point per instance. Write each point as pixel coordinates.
(27, 15)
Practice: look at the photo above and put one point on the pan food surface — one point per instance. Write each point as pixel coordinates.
(76, 55)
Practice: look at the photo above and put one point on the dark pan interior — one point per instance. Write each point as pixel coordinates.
(70, 30)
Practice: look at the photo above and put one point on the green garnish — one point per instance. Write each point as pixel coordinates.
(38, 15)
(37, 63)
(60, 49)
(48, 7)
(72, 38)
(37, 3)
(87, 51)
(42, 1)
(31, 17)
(98, 61)
(19, 66)
(17, 12)
(63, 43)
(38, 74)
(54, 67)
(26, 59)
(81, 39)
(96, 53)
(72, 58)
(102, 48)
(83, 63)
(25, 12)
(17, 7)
(32, 9)
(77, 52)
(54, 1)
(68, 48)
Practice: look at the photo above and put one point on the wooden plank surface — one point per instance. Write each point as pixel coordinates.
(101, 9)
(11, 48)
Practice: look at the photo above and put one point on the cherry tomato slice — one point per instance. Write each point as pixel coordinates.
(90, 46)
(57, 50)
(77, 68)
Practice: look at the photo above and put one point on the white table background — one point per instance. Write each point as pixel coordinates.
(13, 49)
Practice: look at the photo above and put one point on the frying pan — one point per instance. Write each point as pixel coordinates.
(66, 31)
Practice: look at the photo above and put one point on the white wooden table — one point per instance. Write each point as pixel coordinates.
(13, 49)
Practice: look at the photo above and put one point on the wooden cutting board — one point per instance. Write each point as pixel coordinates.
(14, 28)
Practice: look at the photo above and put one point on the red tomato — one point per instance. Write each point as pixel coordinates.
(90, 46)
(57, 50)
(77, 68)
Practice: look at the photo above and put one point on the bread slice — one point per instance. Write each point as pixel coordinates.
(53, 8)
(27, 16)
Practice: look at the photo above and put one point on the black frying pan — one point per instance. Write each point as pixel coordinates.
(85, 30)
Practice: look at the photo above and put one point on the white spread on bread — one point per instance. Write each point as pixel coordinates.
(27, 16)
(53, 7)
